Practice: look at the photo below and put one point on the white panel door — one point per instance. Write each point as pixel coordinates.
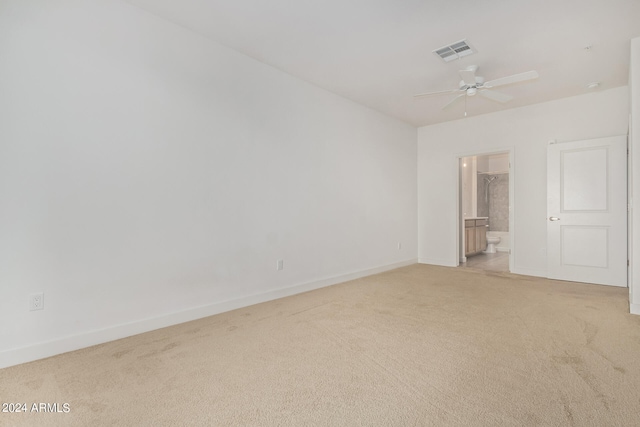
(587, 211)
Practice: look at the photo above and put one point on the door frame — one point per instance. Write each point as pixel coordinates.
(459, 217)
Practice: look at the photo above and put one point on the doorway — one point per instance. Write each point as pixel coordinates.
(485, 197)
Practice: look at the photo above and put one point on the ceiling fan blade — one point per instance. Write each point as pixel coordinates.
(454, 101)
(468, 76)
(495, 96)
(529, 75)
(441, 92)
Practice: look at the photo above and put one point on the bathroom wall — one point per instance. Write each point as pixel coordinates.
(482, 203)
(497, 206)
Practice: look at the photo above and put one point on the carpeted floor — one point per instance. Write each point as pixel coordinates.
(416, 346)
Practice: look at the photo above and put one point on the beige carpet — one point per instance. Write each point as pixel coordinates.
(416, 346)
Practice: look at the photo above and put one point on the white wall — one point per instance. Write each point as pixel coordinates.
(150, 176)
(526, 131)
(498, 163)
(468, 197)
(483, 163)
(469, 187)
(634, 145)
(493, 163)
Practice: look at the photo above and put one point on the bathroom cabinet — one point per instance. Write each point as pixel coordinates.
(475, 235)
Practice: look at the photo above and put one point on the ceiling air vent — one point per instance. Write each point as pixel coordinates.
(455, 51)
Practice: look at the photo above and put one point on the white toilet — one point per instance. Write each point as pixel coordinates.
(492, 241)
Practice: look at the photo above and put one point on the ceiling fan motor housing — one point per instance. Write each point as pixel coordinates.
(472, 89)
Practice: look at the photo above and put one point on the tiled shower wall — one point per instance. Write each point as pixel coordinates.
(497, 209)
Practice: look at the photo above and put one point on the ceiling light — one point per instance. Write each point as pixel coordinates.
(593, 85)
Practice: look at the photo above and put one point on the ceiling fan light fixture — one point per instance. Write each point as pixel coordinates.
(472, 91)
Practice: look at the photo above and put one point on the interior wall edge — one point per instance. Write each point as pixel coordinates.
(634, 176)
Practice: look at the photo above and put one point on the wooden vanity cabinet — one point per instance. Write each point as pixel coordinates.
(475, 236)
(469, 237)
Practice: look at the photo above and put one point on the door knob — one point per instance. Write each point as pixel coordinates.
(554, 218)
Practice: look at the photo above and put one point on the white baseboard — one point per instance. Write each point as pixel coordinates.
(75, 342)
(529, 272)
(434, 261)
(634, 308)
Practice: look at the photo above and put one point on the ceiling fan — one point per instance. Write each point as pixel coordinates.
(472, 84)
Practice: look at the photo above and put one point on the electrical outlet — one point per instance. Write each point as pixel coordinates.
(280, 265)
(36, 301)
(399, 245)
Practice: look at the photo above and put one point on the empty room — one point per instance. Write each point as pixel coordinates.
(319, 213)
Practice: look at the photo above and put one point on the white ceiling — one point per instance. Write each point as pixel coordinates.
(379, 52)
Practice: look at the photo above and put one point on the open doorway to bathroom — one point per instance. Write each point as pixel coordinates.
(485, 211)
